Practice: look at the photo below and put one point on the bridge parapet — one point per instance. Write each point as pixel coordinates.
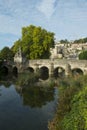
(40, 61)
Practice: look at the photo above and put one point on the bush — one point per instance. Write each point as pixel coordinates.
(83, 55)
(72, 105)
(27, 79)
(77, 118)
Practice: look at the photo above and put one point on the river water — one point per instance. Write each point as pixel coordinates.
(28, 109)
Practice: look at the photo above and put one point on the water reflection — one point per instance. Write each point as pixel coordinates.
(16, 107)
(36, 96)
(0, 92)
(7, 84)
(44, 73)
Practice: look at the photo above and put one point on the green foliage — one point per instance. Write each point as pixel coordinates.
(83, 55)
(77, 118)
(72, 105)
(51, 83)
(64, 41)
(27, 79)
(82, 40)
(35, 42)
(6, 54)
(16, 45)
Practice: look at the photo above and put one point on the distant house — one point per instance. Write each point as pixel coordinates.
(67, 51)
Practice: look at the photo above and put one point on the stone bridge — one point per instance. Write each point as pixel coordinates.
(52, 66)
(60, 65)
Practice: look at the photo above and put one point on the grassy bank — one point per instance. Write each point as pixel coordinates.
(71, 113)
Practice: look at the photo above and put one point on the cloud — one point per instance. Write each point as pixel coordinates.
(15, 8)
(14, 14)
(47, 7)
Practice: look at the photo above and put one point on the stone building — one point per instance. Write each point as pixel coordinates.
(19, 57)
(67, 51)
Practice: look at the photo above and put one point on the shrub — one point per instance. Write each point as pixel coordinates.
(72, 105)
(27, 79)
(83, 55)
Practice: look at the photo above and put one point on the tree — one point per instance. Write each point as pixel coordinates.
(6, 54)
(81, 40)
(83, 55)
(35, 42)
(64, 41)
(16, 45)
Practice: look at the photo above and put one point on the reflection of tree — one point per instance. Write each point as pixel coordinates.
(6, 84)
(37, 96)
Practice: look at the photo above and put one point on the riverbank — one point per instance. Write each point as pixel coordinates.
(71, 111)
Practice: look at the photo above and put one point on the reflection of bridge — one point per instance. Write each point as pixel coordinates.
(56, 65)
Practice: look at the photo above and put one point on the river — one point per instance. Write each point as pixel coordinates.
(29, 109)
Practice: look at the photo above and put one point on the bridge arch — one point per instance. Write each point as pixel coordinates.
(59, 72)
(5, 70)
(30, 69)
(15, 70)
(77, 71)
(44, 72)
